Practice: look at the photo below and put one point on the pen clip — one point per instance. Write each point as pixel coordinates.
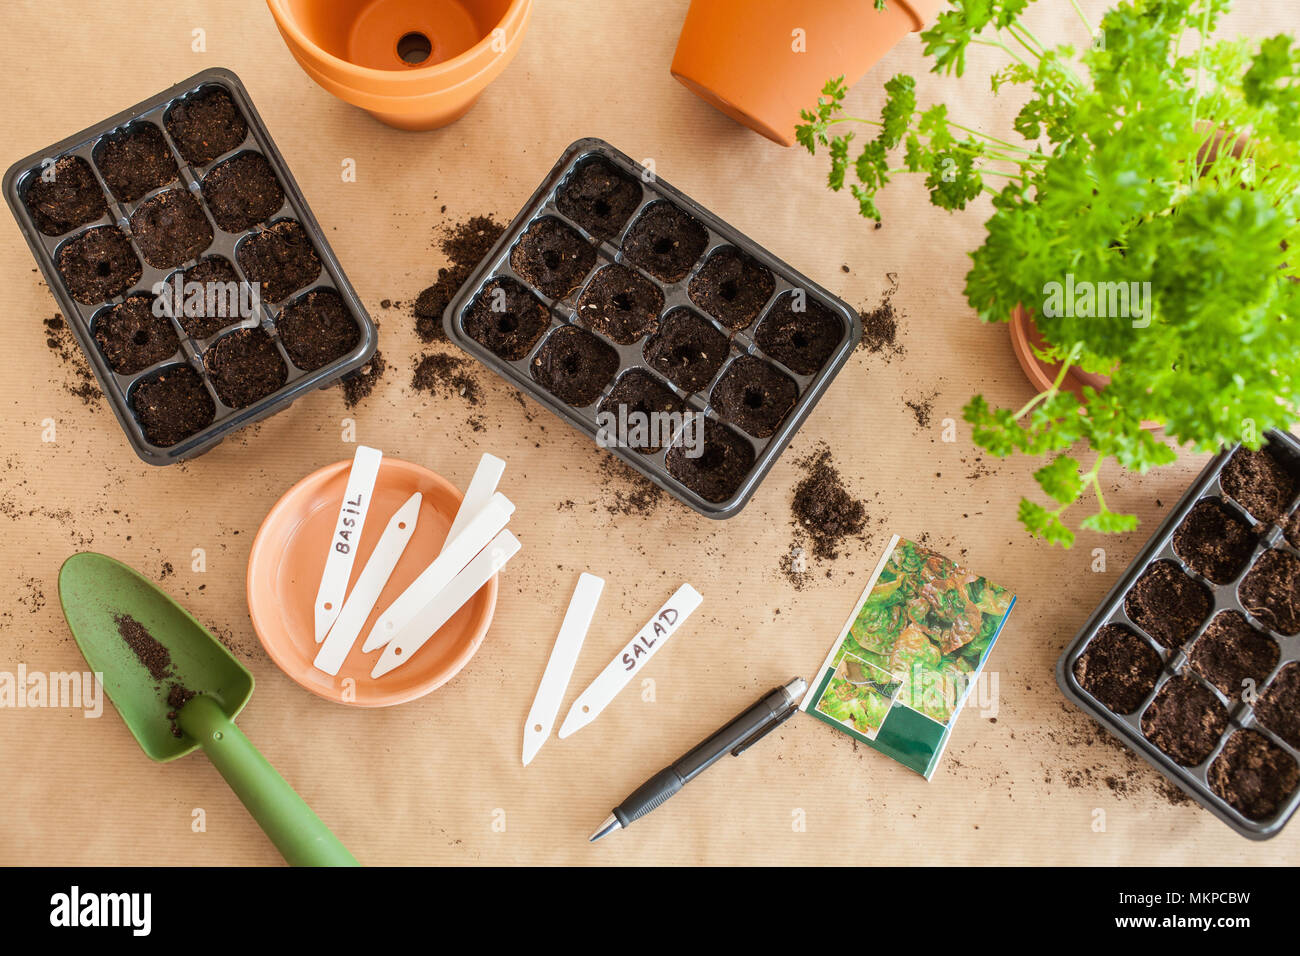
(748, 742)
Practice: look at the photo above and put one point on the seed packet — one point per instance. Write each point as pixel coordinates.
(911, 654)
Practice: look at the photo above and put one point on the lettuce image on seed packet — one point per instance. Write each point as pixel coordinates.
(910, 655)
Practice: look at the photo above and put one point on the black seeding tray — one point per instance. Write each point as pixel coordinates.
(1193, 658)
(612, 293)
(154, 229)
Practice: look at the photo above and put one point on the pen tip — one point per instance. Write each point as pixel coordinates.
(609, 826)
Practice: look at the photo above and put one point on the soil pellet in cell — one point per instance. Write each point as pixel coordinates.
(620, 304)
(638, 397)
(1260, 482)
(715, 469)
(732, 287)
(317, 329)
(552, 257)
(170, 228)
(1167, 604)
(281, 258)
(688, 350)
(1253, 774)
(1118, 668)
(802, 341)
(205, 125)
(172, 406)
(754, 395)
(1231, 652)
(245, 366)
(98, 264)
(204, 317)
(242, 191)
(1271, 591)
(135, 161)
(1185, 720)
(1279, 707)
(574, 366)
(132, 337)
(1214, 541)
(506, 319)
(599, 197)
(1293, 529)
(665, 241)
(65, 196)
(155, 657)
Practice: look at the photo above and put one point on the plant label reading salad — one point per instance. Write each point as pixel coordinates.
(910, 655)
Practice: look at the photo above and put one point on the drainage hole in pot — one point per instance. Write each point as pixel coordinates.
(414, 48)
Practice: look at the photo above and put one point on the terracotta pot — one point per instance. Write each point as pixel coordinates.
(749, 59)
(413, 64)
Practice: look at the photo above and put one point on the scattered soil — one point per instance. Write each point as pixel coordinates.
(172, 406)
(1214, 541)
(802, 341)
(507, 319)
(1118, 668)
(553, 257)
(574, 366)
(688, 350)
(1254, 774)
(132, 338)
(880, 325)
(155, 657)
(1185, 720)
(599, 197)
(732, 287)
(1260, 482)
(203, 324)
(640, 393)
(1231, 652)
(170, 228)
(720, 469)
(245, 366)
(317, 329)
(464, 244)
(621, 304)
(922, 409)
(754, 395)
(70, 198)
(665, 241)
(98, 264)
(1271, 591)
(281, 258)
(1167, 604)
(358, 386)
(134, 161)
(178, 696)
(445, 376)
(60, 340)
(823, 508)
(205, 125)
(633, 495)
(242, 192)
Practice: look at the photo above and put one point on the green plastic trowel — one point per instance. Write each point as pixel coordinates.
(95, 590)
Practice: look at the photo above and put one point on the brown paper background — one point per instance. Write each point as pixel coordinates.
(420, 783)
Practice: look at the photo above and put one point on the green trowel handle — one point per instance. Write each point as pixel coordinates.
(292, 826)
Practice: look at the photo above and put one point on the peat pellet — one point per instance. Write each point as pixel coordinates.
(1271, 591)
(172, 405)
(317, 329)
(1185, 720)
(1118, 668)
(132, 337)
(170, 228)
(506, 319)
(665, 241)
(800, 334)
(620, 304)
(553, 257)
(280, 258)
(1260, 482)
(715, 468)
(1231, 652)
(202, 296)
(732, 287)
(134, 161)
(754, 395)
(1254, 775)
(687, 350)
(574, 366)
(1214, 541)
(1279, 707)
(650, 408)
(1167, 604)
(64, 196)
(242, 191)
(599, 197)
(98, 264)
(205, 125)
(245, 366)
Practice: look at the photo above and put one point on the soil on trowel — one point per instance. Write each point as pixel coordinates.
(621, 304)
(317, 329)
(754, 395)
(245, 366)
(1271, 591)
(205, 125)
(464, 244)
(1231, 652)
(242, 192)
(715, 467)
(822, 507)
(60, 340)
(68, 198)
(507, 319)
(1214, 541)
(665, 241)
(732, 287)
(172, 405)
(1185, 720)
(1279, 708)
(553, 257)
(1254, 774)
(135, 161)
(599, 197)
(802, 341)
(1260, 482)
(98, 264)
(178, 695)
(358, 386)
(155, 657)
(281, 258)
(170, 228)
(1118, 668)
(132, 337)
(688, 350)
(1167, 604)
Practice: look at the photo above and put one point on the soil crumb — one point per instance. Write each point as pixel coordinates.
(880, 325)
(922, 409)
(445, 375)
(178, 695)
(464, 244)
(156, 659)
(823, 510)
(81, 380)
(629, 492)
(358, 387)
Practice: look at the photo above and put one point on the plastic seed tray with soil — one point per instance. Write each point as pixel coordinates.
(615, 294)
(1193, 658)
(186, 192)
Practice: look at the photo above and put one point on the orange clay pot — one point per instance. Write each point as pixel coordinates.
(750, 60)
(413, 64)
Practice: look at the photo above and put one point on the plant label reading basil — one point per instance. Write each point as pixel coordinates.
(347, 534)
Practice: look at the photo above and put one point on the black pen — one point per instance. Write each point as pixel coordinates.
(743, 732)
